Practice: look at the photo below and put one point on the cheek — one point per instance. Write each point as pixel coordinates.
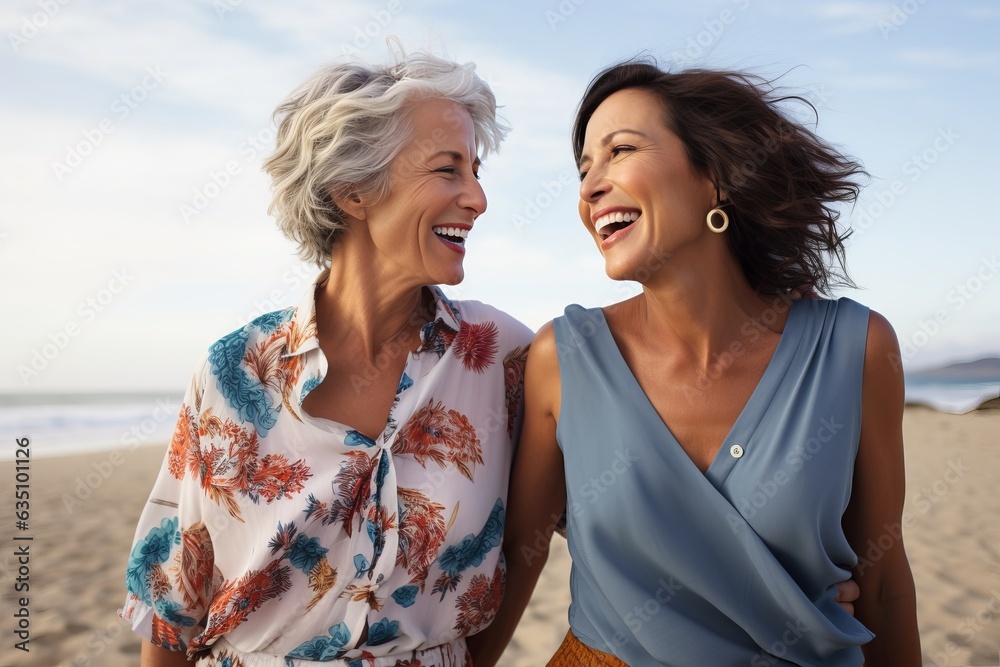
(584, 211)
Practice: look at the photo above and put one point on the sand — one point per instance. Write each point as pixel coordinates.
(84, 509)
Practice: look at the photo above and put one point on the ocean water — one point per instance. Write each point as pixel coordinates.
(954, 395)
(61, 424)
(75, 423)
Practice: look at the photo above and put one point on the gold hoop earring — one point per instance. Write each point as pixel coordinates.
(725, 220)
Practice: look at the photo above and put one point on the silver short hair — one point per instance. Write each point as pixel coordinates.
(340, 130)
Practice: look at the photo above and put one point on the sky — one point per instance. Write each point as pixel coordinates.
(133, 213)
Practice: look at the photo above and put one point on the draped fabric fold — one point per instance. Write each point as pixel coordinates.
(737, 566)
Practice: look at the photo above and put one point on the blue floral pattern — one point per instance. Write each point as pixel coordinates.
(405, 595)
(252, 403)
(382, 632)
(260, 516)
(323, 648)
(305, 552)
(152, 550)
(354, 438)
(471, 551)
(310, 384)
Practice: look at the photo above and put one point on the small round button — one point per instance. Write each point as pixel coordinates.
(736, 451)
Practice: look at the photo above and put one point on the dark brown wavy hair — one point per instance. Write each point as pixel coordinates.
(780, 180)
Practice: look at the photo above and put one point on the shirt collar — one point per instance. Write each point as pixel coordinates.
(302, 337)
(445, 312)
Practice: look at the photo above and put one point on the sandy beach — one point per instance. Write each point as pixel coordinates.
(84, 509)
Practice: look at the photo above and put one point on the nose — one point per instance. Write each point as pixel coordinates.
(593, 186)
(474, 197)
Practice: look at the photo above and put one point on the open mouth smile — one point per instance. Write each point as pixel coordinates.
(454, 236)
(608, 225)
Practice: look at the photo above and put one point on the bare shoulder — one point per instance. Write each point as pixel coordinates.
(543, 357)
(881, 335)
(541, 376)
(883, 370)
(882, 348)
(544, 349)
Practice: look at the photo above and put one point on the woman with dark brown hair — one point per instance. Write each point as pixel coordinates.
(724, 454)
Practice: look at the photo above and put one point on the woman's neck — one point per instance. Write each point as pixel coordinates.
(366, 305)
(705, 312)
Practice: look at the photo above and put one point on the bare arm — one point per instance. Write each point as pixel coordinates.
(537, 497)
(154, 656)
(873, 521)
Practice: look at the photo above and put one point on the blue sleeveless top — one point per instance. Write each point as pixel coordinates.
(736, 566)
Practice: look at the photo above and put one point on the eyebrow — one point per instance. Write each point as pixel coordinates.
(455, 155)
(606, 139)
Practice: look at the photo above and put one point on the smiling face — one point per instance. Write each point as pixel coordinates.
(640, 198)
(434, 197)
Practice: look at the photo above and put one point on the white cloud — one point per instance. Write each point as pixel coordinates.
(849, 18)
(117, 209)
(60, 241)
(203, 68)
(947, 58)
(849, 10)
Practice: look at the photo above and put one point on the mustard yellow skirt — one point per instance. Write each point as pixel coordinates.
(574, 653)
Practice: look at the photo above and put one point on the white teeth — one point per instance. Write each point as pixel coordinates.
(451, 231)
(617, 216)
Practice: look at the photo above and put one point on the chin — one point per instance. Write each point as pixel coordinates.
(636, 266)
(452, 278)
(619, 271)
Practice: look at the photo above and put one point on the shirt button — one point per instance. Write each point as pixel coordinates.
(736, 451)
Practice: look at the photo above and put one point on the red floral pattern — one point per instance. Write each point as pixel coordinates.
(441, 435)
(262, 514)
(479, 604)
(476, 345)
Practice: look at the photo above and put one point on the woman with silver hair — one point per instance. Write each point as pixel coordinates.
(336, 485)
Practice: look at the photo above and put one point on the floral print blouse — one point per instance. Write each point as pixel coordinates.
(275, 538)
